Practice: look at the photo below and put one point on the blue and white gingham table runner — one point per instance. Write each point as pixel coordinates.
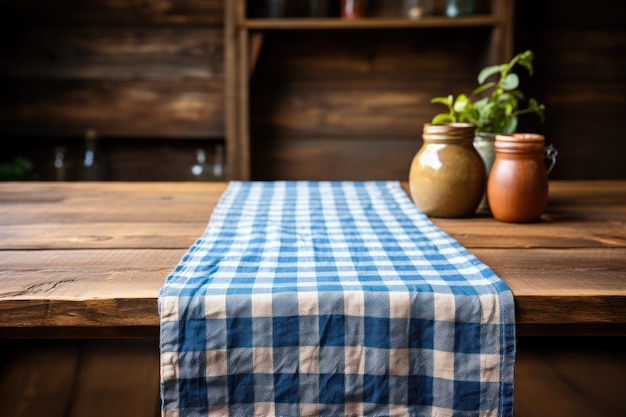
(332, 299)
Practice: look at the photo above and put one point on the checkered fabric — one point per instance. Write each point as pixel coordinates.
(332, 299)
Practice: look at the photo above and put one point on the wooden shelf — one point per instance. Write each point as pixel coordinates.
(368, 23)
(256, 45)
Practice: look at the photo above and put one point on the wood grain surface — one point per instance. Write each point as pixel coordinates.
(94, 255)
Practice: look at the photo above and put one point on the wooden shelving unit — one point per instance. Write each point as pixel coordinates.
(244, 37)
(367, 23)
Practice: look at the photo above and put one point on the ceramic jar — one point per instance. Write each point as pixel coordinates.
(447, 176)
(517, 188)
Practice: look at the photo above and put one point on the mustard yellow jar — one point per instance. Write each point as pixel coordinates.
(447, 177)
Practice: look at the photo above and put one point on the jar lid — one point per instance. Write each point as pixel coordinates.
(448, 131)
(519, 142)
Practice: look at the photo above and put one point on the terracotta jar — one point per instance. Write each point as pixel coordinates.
(517, 188)
(447, 176)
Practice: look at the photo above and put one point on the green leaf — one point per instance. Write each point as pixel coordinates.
(459, 107)
(488, 72)
(503, 99)
(510, 125)
(461, 103)
(517, 94)
(442, 118)
(482, 88)
(534, 106)
(481, 103)
(443, 100)
(525, 59)
(510, 82)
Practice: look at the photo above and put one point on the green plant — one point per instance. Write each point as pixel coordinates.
(497, 111)
(18, 169)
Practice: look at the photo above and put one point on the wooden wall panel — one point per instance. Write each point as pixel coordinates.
(350, 108)
(169, 108)
(342, 90)
(583, 121)
(115, 53)
(590, 55)
(580, 75)
(333, 158)
(384, 54)
(115, 11)
(142, 73)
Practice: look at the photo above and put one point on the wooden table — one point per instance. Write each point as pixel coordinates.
(88, 259)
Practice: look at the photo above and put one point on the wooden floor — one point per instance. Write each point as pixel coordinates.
(555, 377)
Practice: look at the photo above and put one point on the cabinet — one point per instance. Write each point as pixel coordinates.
(332, 98)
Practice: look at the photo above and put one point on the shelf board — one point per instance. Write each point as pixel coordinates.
(368, 23)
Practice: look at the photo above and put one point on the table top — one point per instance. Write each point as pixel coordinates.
(89, 258)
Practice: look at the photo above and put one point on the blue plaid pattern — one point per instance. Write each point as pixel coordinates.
(332, 299)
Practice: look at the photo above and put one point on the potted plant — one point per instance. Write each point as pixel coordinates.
(496, 112)
(493, 107)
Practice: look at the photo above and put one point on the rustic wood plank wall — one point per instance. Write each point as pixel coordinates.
(351, 104)
(149, 77)
(580, 74)
(128, 69)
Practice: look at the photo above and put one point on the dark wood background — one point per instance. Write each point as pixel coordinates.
(149, 77)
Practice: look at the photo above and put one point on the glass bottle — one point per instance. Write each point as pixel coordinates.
(60, 164)
(456, 8)
(218, 165)
(447, 176)
(416, 9)
(91, 167)
(201, 170)
(517, 188)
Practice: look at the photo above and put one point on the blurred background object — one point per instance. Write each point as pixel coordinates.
(456, 8)
(415, 9)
